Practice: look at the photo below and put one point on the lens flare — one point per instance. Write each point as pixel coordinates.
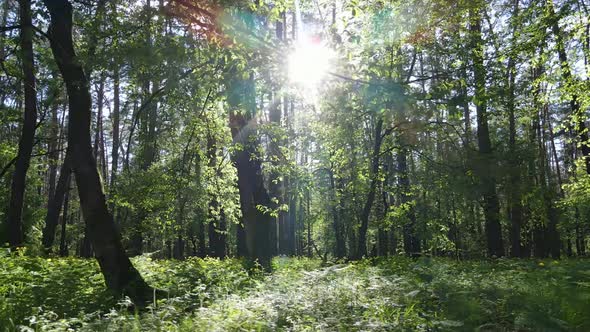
(309, 62)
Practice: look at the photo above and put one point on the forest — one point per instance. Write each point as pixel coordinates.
(294, 165)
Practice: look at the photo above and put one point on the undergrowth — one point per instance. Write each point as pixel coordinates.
(301, 294)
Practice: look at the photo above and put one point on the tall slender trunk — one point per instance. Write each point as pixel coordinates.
(275, 187)
(217, 222)
(202, 247)
(308, 212)
(411, 241)
(120, 275)
(374, 175)
(63, 244)
(25, 144)
(55, 204)
(98, 146)
(382, 238)
(291, 215)
(514, 197)
(491, 204)
(53, 150)
(116, 123)
(5, 10)
(340, 244)
(466, 112)
(552, 234)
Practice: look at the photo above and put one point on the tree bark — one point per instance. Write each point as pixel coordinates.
(25, 144)
(120, 275)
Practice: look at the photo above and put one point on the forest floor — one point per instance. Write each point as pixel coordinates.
(301, 294)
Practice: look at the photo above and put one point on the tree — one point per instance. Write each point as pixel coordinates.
(120, 275)
(25, 144)
(491, 204)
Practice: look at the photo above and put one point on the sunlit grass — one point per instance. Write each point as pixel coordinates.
(303, 295)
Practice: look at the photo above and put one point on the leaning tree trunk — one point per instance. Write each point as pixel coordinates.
(25, 144)
(120, 275)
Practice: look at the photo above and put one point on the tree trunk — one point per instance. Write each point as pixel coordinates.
(491, 204)
(5, 10)
(374, 175)
(25, 144)
(63, 245)
(384, 231)
(116, 124)
(120, 275)
(202, 248)
(291, 216)
(257, 224)
(53, 146)
(340, 244)
(514, 197)
(217, 223)
(308, 209)
(580, 236)
(548, 187)
(382, 238)
(275, 188)
(55, 204)
(411, 241)
(98, 129)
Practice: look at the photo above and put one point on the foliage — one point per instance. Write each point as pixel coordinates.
(302, 295)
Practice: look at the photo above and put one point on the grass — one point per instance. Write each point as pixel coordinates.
(397, 294)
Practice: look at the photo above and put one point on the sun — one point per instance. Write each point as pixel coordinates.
(309, 62)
